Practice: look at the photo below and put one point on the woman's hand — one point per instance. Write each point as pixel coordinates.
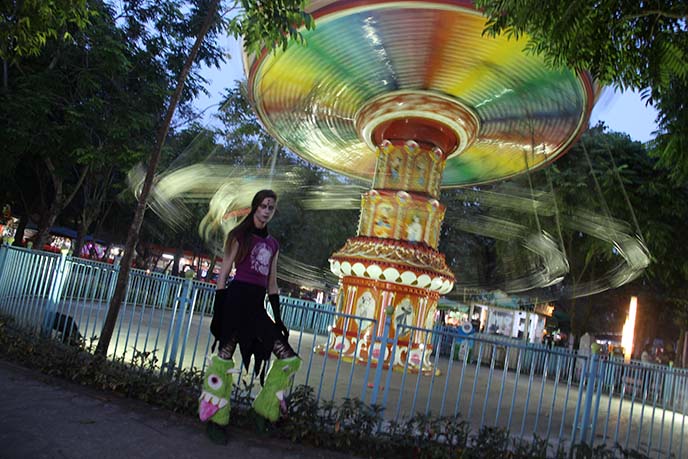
(282, 329)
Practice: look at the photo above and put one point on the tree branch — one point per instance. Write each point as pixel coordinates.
(658, 13)
(84, 172)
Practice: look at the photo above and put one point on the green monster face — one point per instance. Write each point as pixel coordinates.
(213, 404)
(270, 401)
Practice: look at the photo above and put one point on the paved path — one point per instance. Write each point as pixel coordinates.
(44, 417)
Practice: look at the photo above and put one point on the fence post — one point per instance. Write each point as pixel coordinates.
(384, 341)
(589, 396)
(4, 248)
(54, 293)
(113, 282)
(668, 388)
(178, 313)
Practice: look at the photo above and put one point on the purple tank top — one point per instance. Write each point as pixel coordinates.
(255, 267)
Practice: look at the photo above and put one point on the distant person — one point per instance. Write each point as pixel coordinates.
(669, 356)
(617, 352)
(646, 356)
(239, 317)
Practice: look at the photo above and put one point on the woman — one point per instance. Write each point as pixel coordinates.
(240, 318)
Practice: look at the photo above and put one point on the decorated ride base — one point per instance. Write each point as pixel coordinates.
(394, 261)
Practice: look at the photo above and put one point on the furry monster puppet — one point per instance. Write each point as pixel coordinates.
(213, 404)
(271, 398)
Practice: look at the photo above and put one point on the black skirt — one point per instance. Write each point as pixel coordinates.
(239, 315)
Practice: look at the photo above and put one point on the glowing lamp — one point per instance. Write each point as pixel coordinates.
(629, 328)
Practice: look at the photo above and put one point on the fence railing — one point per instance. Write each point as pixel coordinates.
(530, 390)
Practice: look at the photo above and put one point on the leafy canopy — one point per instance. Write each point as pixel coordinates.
(270, 24)
(27, 25)
(629, 44)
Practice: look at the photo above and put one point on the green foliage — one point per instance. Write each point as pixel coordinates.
(78, 113)
(26, 26)
(633, 188)
(585, 451)
(537, 448)
(671, 143)
(632, 45)
(270, 25)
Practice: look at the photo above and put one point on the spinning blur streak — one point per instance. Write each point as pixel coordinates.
(228, 190)
(552, 266)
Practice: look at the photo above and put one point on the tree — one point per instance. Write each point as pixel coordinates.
(262, 24)
(604, 184)
(630, 44)
(28, 25)
(176, 223)
(79, 110)
(615, 177)
(671, 143)
(99, 189)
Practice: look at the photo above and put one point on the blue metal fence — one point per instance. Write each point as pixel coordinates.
(530, 390)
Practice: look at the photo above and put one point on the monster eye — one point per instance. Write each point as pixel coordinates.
(214, 381)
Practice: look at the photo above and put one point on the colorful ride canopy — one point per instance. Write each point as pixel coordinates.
(367, 63)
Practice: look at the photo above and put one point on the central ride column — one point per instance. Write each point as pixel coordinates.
(394, 260)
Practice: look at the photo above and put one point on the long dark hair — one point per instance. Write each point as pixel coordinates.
(242, 231)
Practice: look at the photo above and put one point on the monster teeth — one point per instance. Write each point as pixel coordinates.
(210, 398)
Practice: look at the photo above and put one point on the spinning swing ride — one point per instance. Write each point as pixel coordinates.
(411, 97)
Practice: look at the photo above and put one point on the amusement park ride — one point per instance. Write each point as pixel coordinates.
(413, 97)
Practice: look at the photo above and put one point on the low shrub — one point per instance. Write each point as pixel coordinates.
(351, 426)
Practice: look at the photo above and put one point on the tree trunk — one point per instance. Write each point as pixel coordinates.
(134, 229)
(166, 270)
(19, 233)
(177, 257)
(58, 203)
(46, 222)
(95, 190)
(81, 231)
(5, 75)
(99, 225)
(683, 350)
(106, 252)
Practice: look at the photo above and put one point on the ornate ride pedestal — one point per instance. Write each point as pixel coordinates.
(393, 263)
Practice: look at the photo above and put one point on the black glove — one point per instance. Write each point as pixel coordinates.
(218, 312)
(275, 303)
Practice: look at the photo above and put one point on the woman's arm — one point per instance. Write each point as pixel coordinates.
(273, 297)
(272, 279)
(227, 262)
